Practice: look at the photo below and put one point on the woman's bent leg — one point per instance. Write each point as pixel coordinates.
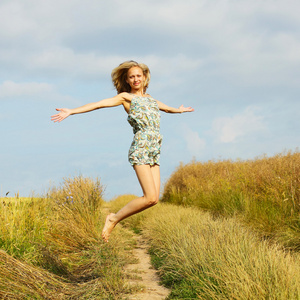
(149, 178)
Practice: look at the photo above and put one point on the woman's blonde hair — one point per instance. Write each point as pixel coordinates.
(119, 76)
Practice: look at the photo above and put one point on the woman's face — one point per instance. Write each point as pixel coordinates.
(135, 78)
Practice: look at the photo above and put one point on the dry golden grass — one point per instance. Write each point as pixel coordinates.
(264, 192)
(204, 257)
(20, 280)
(52, 248)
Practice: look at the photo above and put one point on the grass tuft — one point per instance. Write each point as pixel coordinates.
(52, 248)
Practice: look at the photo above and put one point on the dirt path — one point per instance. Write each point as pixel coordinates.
(145, 274)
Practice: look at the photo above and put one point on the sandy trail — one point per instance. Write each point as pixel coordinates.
(146, 275)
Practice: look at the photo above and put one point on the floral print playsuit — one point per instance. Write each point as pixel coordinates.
(144, 117)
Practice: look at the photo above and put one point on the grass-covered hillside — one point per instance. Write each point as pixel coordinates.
(264, 193)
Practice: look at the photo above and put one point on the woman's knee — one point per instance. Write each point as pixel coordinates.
(152, 200)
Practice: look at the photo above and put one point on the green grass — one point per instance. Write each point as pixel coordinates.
(51, 246)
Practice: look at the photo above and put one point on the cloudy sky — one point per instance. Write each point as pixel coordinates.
(237, 62)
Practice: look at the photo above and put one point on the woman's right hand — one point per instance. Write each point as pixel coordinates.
(63, 113)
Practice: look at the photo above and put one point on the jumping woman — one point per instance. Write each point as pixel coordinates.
(131, 81)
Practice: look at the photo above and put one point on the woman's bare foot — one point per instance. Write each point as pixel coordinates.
(108, 227)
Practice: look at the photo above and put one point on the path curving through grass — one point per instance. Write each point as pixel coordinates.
(143, 274)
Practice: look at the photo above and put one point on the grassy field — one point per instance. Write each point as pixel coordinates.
(199, 256)
(224, 230)
(264, 193)
(233, 233)
(51, 246)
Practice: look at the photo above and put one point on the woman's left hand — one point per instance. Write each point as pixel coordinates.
(185, 109)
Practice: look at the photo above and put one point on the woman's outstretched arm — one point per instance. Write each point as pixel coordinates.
(110, 102)
(173, 110)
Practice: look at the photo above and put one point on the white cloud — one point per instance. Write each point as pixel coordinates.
(250, 42)
(173, 63)
(13, 21)
(228, 130)
(35, 90)
(67, 61)
(13, 89)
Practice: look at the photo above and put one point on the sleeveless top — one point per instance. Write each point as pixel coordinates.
(144, 117)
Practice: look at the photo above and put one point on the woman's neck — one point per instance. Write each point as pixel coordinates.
(138, 93)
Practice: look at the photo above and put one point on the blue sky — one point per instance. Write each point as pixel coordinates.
(236, 62)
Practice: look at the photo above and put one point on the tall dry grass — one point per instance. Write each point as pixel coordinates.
(52, 248)
(203, 257)
(264, 192)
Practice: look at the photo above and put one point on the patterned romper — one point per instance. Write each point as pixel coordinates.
(144, 117)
